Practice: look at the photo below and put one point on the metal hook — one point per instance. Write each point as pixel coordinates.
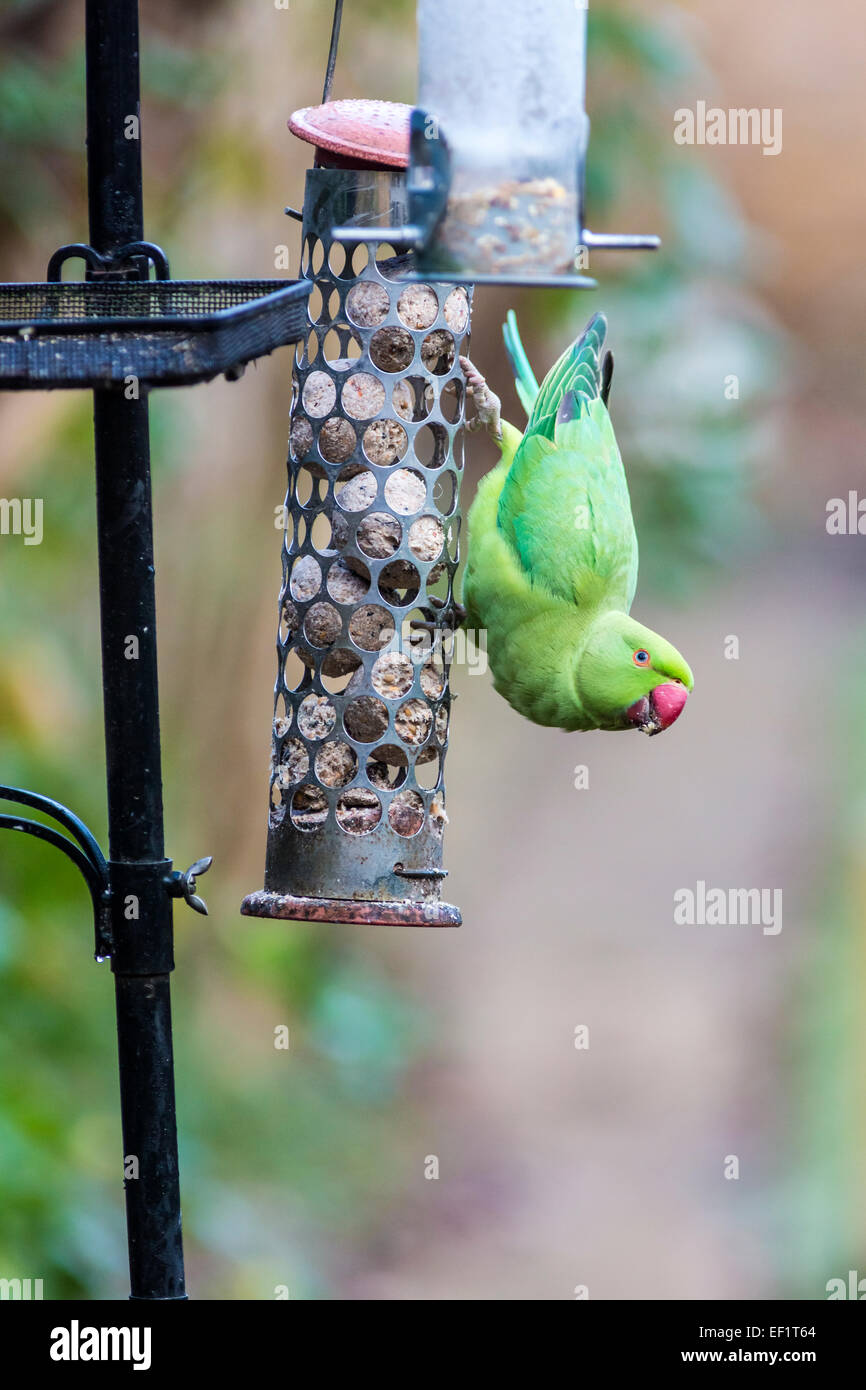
(154, 254)
(117, 265)
(82, 848)
(75, 250)
(332, 52)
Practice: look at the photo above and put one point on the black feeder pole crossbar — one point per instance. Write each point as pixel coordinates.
(120, 329)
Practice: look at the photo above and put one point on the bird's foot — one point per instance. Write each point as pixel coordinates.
(488, 407)
(451, 616)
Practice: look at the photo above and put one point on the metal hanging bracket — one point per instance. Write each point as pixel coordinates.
(122, 264)
(78, 844)
(101, 875)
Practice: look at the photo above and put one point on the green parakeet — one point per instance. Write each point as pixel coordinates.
(552, 563)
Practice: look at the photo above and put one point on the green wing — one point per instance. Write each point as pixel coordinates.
(565, 506)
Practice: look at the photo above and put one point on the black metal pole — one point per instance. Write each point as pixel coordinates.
(142, 913)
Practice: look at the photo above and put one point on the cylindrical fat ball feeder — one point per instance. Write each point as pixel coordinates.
(362, 698)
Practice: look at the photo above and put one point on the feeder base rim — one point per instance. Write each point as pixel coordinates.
(402, 913)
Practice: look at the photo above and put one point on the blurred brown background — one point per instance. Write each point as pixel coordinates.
(558, 1167)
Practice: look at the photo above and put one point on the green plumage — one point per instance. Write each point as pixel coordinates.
(553, 554)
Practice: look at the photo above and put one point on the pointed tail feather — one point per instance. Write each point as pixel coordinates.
(577, 374)
(583, 373)
(525, 383)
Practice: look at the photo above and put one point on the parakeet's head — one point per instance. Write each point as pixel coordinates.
(629, 677)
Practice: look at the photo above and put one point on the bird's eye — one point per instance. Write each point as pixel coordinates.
(641, 657)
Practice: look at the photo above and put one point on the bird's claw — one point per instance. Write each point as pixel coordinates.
(488, 407)
(452, 616)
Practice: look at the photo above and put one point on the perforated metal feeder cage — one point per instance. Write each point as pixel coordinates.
(362, 698)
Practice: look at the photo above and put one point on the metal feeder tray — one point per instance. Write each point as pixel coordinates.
(100, 332)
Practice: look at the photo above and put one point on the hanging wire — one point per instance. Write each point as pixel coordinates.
(332, 52)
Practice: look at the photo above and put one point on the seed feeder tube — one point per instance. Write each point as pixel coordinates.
(504, 86)
(362, 698)
(498, 146)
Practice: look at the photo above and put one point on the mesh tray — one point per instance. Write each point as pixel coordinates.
(162, 332)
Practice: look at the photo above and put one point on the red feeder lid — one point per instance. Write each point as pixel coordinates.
(358, 131)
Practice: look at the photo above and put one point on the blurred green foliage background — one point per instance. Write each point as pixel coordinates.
(298, 1172)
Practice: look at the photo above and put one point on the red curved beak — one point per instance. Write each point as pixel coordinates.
(651, 714)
